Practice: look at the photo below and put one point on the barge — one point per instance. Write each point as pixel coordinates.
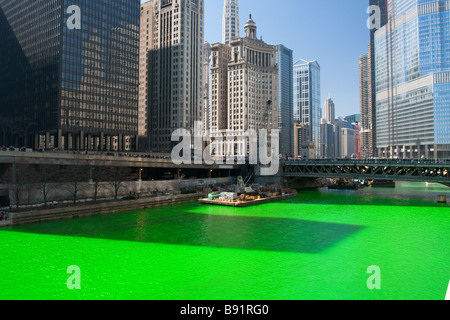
(248, 196)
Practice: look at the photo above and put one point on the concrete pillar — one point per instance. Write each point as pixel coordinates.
(89, 143)
(36, 141)
(108, 143)
(69, 141)
(120, 143)
(77, 143)
(14, 173)
(96, 144)
(81, 138)
(47, 140)
(427, 152)
(102, 142)
(435, 152)
(59, 141)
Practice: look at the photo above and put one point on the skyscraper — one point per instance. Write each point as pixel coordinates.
(69, 74)
(206, 85)
(145, 47)
(285, 99)
(230, 27)
(365, 107)
(307, 101)
(250, 94)
(413, 80)
(382, 5)
(174, 70)
(329, 111)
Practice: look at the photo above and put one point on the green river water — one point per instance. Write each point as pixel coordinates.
(316, 246)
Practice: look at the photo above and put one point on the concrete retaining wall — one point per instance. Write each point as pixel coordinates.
(59, 192)
(98, 208)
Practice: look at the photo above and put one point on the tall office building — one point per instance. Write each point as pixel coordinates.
(206, 86)
(230, 28)
(347, 143)
(327, 140)
(69, 74)
(365, 107)
(329, 111)
(382, 5)
(220, 57)
(145, 47)
(285, 99)
(307, 100)
(250, 77)
(413, 80)
(174, 70)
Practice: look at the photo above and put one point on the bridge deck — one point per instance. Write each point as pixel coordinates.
(427, 171)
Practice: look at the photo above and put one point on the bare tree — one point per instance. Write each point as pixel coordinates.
(47, 177)
(19, 177)
(116, 178)
(97, 175)
(73, 178)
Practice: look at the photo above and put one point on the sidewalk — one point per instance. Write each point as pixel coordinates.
(4, 223)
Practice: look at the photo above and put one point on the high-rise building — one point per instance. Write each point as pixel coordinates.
(285, 99)
(206, 85)
(145, 47)
(353, 118)
(382, 5)
(230, 28)
(413, 80)
(347, 143)
(174, 70)
(69, 73)
(303, 146)
(327, 140)
(247, 86)
(365, 95)
(329, 111)
(341, 151)
(307, 98)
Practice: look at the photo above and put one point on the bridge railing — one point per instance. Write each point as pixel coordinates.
(440, 162)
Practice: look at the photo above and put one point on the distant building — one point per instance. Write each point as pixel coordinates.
(366, 123)
(285, 99)
(327, 140)
(347, 143)
(341, 151)
(303, 146)
(230, 22)
(307, 101)
(329, 110)
(353, 118)
(206, 86)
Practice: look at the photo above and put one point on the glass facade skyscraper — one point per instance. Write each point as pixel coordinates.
(285, 99)
(307, 98)
(73, 88)
(413, 80)
(371, 103)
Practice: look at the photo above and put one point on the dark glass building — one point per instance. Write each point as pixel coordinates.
(69, 78)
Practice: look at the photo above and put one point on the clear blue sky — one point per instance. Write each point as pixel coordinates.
(332, 32)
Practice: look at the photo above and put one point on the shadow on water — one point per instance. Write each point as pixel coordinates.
(191, 229)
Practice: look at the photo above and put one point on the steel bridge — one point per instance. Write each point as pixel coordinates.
(393, 170)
